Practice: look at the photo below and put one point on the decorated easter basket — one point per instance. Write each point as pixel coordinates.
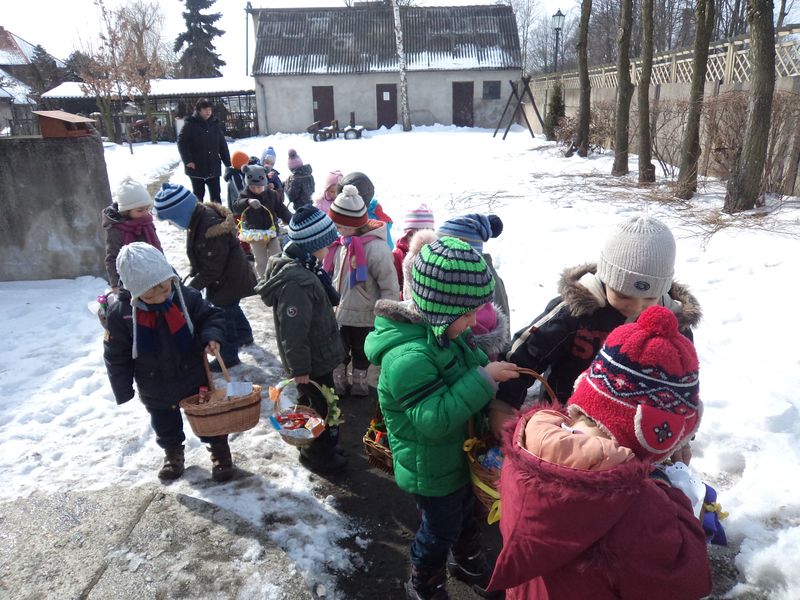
(376, 443)
(297, 424)
(485, 479)
(219, 414)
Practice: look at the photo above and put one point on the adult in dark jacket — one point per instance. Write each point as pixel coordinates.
(217, 261)
(302, 300)
(157, 333)
(202, 146)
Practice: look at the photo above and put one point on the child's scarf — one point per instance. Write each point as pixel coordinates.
(146, 335)
(355, 257)
(141, 228)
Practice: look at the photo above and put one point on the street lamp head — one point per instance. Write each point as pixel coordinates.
(558, 20)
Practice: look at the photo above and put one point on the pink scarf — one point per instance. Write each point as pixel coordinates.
(355, 257)
(141, 228)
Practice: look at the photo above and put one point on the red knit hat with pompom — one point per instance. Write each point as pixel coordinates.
(642, 387)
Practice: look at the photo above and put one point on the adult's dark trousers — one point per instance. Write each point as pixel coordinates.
(244, 332)
(353, 339)
(447, 522)
(199, 188)
(168, 425)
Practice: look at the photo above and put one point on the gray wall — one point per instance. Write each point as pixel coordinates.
(284, 103)
(52, 192)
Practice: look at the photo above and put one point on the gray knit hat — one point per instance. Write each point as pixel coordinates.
(638, 259)
(140, 267)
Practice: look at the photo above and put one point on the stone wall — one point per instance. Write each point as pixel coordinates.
(52, 192)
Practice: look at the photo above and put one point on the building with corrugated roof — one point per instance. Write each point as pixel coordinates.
(320, 64)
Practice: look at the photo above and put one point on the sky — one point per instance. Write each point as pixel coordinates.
(556, 213)
(69, 24)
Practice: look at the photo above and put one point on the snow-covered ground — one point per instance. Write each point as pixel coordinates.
(61, 430)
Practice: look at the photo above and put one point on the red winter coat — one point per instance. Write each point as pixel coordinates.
(571, 534)
(398, 254)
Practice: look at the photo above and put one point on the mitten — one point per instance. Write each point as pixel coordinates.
(254, 203)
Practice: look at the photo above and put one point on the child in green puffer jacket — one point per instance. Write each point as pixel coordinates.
(426, 413)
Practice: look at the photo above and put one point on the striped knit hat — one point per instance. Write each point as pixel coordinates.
(642, 388)
(311, 229)
(473, 229)
(419, 218)
(175, 203)
(449, 279)
(349, 209)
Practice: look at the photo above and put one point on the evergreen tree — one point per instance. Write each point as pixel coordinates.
(199, 58)
(77, 63)
(46, 73)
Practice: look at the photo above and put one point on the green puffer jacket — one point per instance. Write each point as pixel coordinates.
(427, 394)
(306, 328)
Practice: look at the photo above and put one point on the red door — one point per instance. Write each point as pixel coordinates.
(386, 99)
(322, 96)
(463, 94)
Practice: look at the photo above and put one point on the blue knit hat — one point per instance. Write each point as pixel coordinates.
(269, 152)
(311, 229)
(473, 229)
(175, 203)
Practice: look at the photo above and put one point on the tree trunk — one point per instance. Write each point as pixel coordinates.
(690, 148)
(781, 14)
(624, 89)
(405, 114)
(647, 170)
(585, 106)
(744, 184)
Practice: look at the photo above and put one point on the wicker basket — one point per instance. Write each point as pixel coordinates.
(379, 455)
(222, 416)
(293, 436)
(484, 479)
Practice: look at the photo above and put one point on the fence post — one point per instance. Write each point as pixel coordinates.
(730, 57)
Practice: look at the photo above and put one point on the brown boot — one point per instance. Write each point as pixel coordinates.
(221, 460)
(173, 464)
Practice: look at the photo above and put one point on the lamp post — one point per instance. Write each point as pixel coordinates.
(558, 25)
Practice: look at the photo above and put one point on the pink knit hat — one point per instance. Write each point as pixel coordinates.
(642, 387)
(419, 218)
(333, 178)
(295, 161)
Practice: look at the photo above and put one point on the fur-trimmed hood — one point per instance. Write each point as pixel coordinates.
(497, 340)
(415, 244)
(404, 311)
(584, 294)
(112, 216)
(226, 226)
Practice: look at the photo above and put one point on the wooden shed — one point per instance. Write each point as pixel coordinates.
(60, 124)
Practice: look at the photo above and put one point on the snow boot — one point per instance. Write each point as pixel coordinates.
(173, 464)
(473, 569)
(321, 456)
(340, 380)
(427, 584)
(360, 386)
(222, 463)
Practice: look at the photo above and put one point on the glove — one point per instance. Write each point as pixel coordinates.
(254, 203)
(228, 173)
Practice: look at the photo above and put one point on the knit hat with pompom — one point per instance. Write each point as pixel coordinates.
(642, 387)
(473, 229)
(295, 162)
(348, 209)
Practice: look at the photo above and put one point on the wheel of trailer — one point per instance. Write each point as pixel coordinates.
(351, 134)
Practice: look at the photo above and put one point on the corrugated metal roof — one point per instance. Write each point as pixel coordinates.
(16, 51)
(166, 88)
(13, 88)
(299, 41)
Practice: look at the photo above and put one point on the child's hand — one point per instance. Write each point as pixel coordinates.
(298, 379)
(254, 203)
(212, 348)
(502, 371)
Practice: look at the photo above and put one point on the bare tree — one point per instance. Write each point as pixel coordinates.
(102, 71)
(624, 90)
(647, 170)
(585, 104)
(744, 185)
(525, 14)
(783, 12)
(401, 59)
(690, 148)
(145, 53)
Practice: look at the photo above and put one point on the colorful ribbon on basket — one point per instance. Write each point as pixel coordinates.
(494, 512)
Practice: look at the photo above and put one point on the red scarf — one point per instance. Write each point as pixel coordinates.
(135, 229)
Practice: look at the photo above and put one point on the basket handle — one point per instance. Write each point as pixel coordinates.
(221, 362)
(542, 380)
(209, 376)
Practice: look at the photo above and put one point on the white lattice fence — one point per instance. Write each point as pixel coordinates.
(727, 63)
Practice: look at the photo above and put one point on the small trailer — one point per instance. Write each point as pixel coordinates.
(321, 133)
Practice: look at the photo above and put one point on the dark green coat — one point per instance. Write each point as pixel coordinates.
(305, 325)
(427, 394)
